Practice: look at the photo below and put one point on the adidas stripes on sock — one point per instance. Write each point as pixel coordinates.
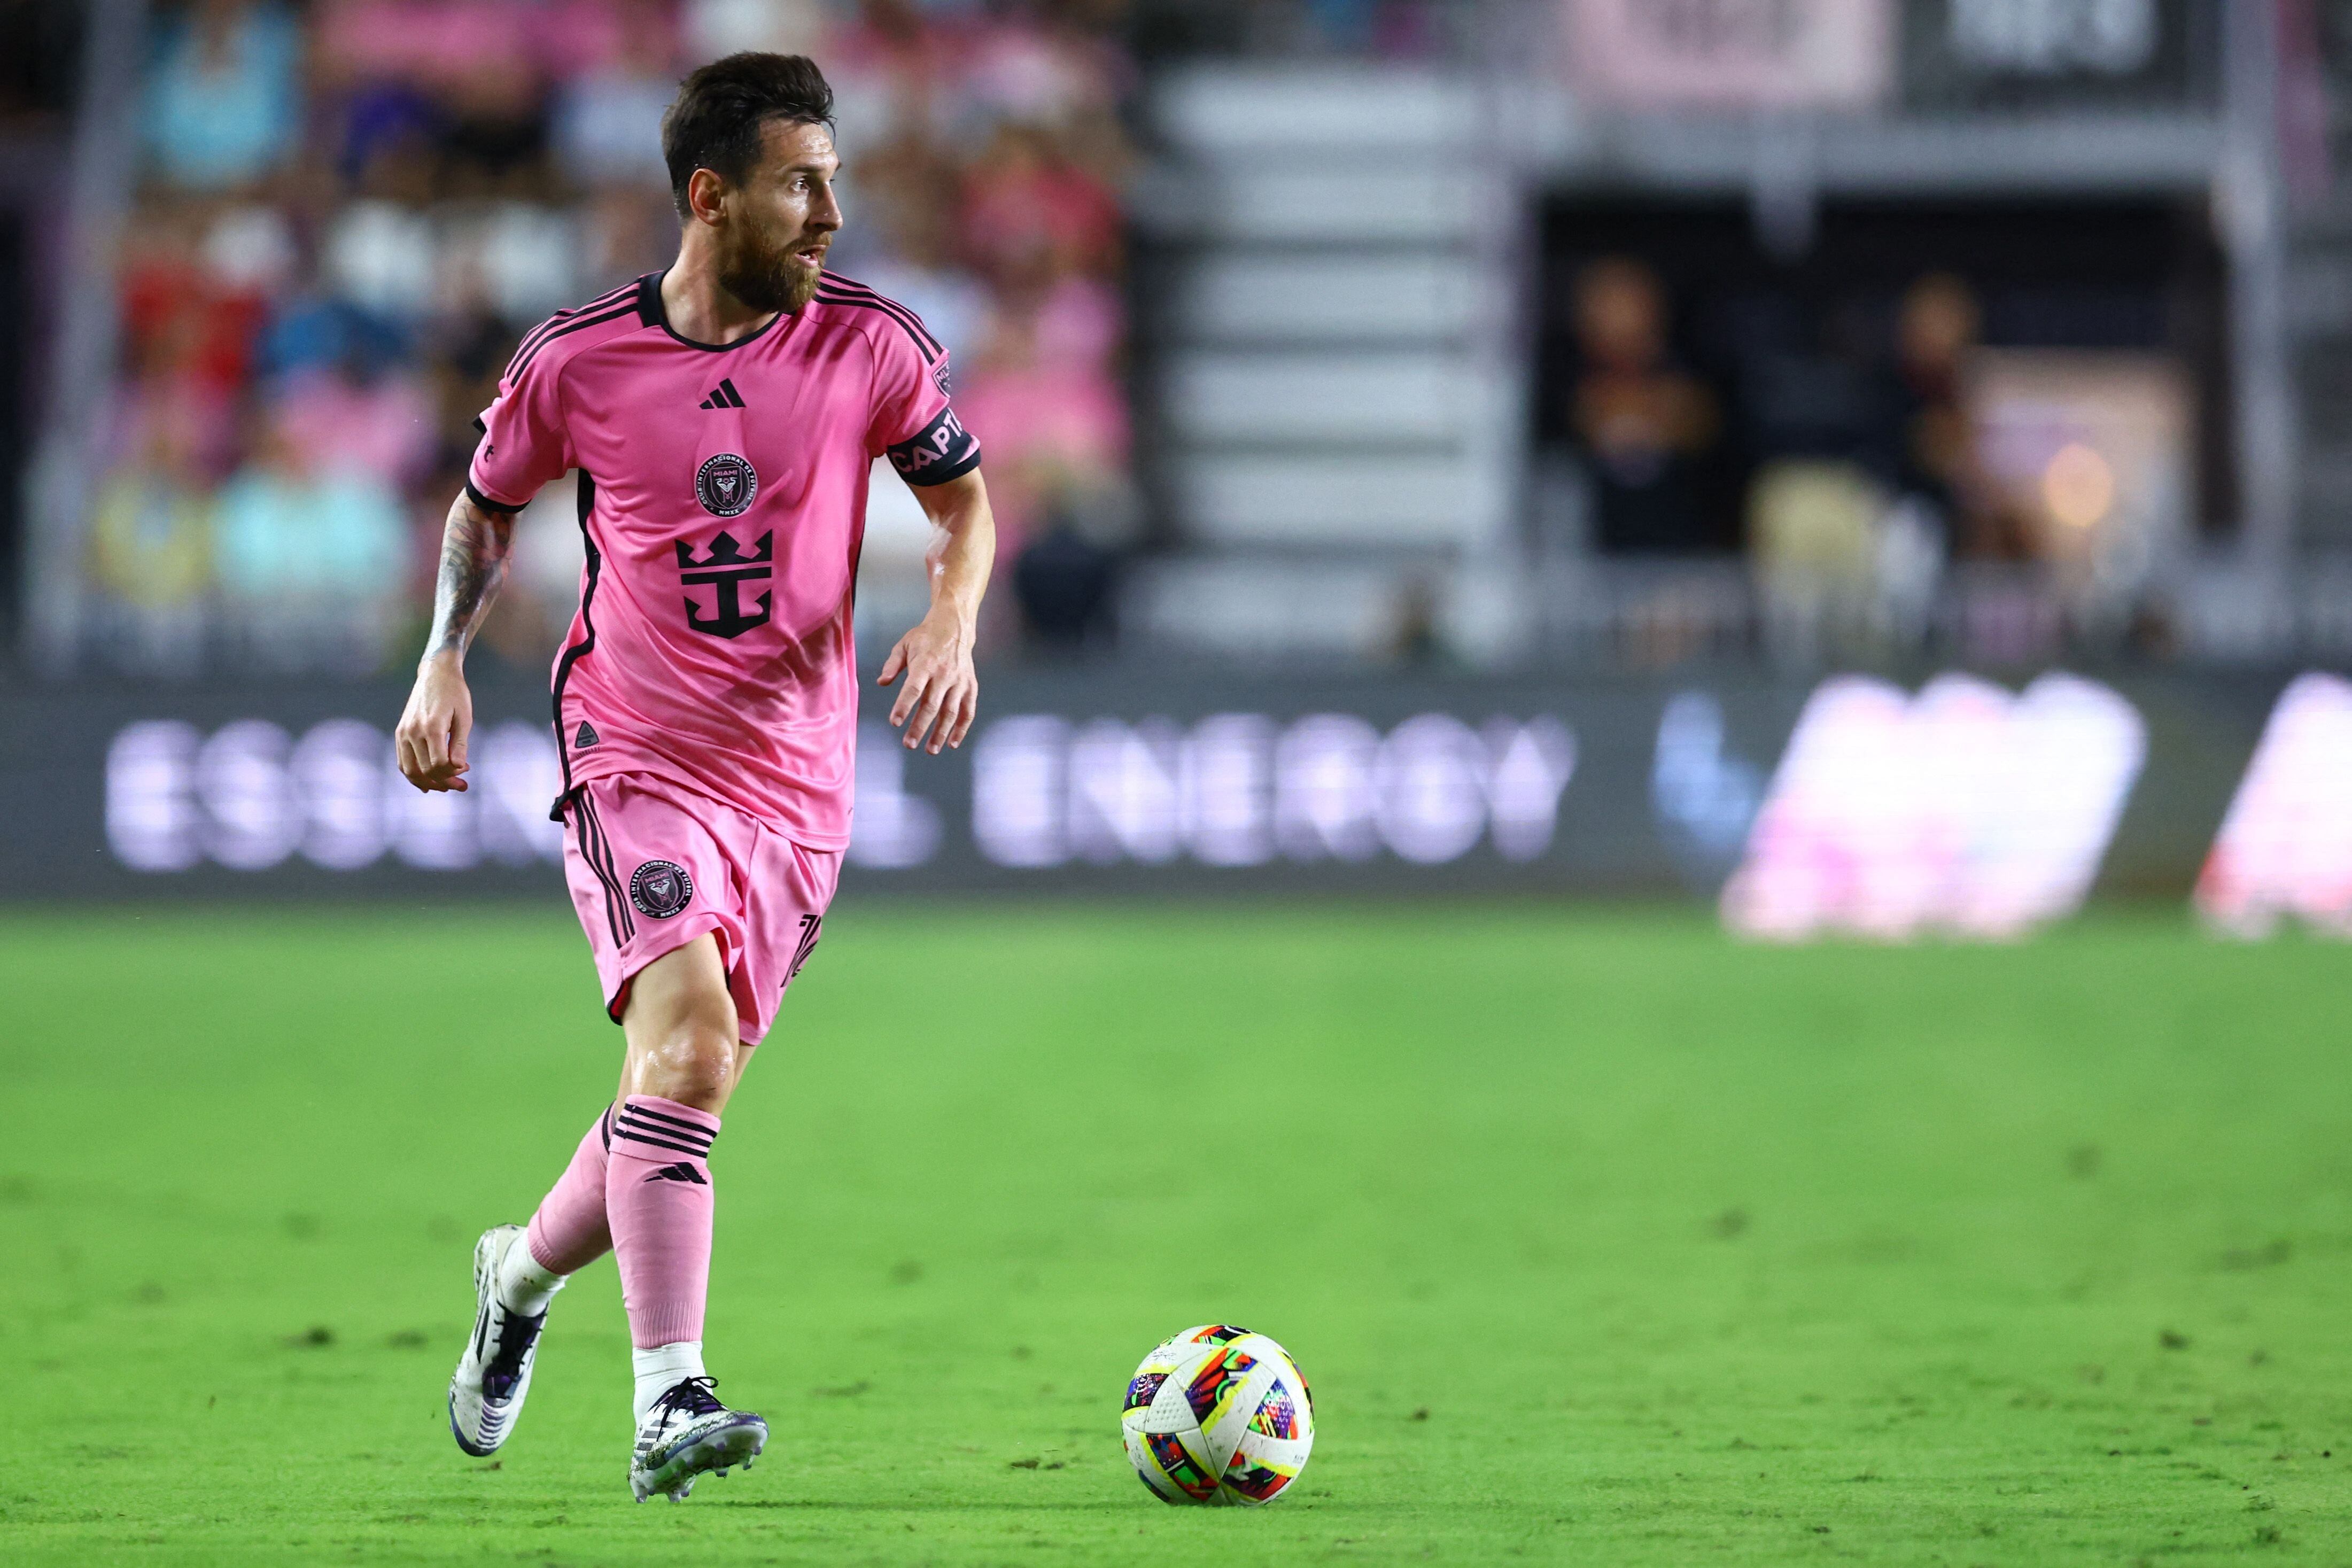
(657, 1202)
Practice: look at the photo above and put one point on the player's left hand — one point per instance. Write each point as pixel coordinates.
(942, 695)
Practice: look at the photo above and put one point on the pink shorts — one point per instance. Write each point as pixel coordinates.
(651, 868)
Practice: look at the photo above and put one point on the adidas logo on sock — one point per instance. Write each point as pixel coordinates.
(586, 738)
(681, 1172)
(725, 397)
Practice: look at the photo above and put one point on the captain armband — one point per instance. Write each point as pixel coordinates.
(945, 450)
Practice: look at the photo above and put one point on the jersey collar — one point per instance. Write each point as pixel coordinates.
(650, 313)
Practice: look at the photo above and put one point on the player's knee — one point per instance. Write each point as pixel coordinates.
(693, 1062)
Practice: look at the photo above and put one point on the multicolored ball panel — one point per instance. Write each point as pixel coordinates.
(1218, 1414)
(1258, 1481)
(1176, 1462)
(1213, 1388)
(1276, 1415)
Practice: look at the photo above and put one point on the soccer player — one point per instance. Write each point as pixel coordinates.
(724, 416)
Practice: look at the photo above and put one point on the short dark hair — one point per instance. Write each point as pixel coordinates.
(723, 109)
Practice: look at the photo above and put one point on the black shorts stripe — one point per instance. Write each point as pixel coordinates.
(598, 852)
(920, 339)
(583, 823)
(612, 877)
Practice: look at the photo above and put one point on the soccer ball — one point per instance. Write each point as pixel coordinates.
(1218, 1414)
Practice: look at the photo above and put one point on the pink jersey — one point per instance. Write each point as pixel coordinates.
(723, 498)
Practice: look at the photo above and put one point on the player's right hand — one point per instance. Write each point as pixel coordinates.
(432, 731)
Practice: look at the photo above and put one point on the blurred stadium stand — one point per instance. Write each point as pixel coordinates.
(327, 225)
(1550, 333)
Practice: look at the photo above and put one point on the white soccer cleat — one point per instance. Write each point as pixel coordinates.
(686, 1432)
(487, 1393)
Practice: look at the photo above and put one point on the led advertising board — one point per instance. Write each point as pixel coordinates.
(1953, 807)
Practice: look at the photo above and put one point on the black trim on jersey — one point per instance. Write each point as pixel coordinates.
(578, 650)
(524, 356)
(486, 503)
(849, 290)
(867, 299)
(940, 451)
(540, 332)
(649, 311)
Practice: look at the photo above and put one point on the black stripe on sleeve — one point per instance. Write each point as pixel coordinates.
(920, 339)
(851, 291)
(524, 357)
(532, 338)
(506, 507)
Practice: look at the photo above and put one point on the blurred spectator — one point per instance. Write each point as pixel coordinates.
(1054, 428)
(310, 559)
(382, 257)
(224, 102)
(1023, 204)
(355, 414)
(1065, 581)
(152, 556)
(1937, 327)
(1644, 425)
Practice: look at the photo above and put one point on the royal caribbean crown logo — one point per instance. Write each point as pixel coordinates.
(724, 568)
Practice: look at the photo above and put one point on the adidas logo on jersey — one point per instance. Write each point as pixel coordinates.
(725, 397)
(585, 738)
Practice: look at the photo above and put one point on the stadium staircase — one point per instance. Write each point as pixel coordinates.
(1329, 411)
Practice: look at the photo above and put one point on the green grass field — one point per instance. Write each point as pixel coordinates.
(1604, 1240)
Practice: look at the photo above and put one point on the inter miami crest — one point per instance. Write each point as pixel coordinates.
(660, 888)
(725, 485)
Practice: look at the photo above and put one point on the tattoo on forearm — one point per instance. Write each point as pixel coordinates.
(474, 547)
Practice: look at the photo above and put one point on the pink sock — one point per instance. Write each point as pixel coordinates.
(569, 1232)
(657, 1201)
